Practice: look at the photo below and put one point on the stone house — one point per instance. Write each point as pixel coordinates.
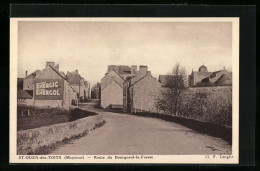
(202, 76)
(140, 91)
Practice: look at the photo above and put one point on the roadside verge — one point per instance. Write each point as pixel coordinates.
(32, 141)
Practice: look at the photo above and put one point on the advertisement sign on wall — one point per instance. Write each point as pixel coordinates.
(48, 89)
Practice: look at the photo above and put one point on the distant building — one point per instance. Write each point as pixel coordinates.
(81, 86)
(203, 78)
(96, 91)
(163, 79)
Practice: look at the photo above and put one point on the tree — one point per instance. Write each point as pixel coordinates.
(170, 98)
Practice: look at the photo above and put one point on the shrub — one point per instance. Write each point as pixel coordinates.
(208, 104)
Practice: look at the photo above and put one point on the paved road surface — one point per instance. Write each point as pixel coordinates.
(126, 134)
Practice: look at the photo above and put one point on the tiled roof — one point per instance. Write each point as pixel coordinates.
(73, 78)
(205, 74)
(163, 79)
(19, 80)
(34, 74)
(225, 79)
(21, 94)
(61, 74)
(136, 79)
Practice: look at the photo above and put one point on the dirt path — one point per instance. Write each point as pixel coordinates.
(126, 134)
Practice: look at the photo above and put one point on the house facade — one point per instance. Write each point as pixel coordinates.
(46, 88)
(141, 91)
(141, 95)
(112, 89)
(51, 89)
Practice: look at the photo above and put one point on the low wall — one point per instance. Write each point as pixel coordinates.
(29, 141)
(203, 127)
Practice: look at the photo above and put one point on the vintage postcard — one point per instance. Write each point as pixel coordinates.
(124, 90)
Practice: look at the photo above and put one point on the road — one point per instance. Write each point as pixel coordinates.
(124, 134)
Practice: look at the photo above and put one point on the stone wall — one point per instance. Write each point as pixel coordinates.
(29, 141)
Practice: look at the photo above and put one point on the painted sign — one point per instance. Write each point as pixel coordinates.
(47, 89)
(22, 101)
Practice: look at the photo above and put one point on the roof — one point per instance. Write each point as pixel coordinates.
(118, 74)
(225, 79)
(205, 74)
(73, 78)
(34, 74)
(203, 68)
(60, 74)
(19, 80)
(216, 72)
(136, 80)
(163, 79)
(21, 94)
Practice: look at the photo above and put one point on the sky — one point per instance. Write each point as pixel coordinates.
(90, 46)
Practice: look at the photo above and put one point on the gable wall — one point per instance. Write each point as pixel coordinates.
(112, 94)
(144, 94)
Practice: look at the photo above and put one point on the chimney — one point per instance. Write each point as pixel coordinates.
(76, 71)
(143, 70)
(133, 69)
(26, 73)
(50, 63)
(111, 67)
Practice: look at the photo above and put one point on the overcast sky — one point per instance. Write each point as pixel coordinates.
(91, 46)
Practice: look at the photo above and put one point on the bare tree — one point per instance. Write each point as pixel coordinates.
(170, 97)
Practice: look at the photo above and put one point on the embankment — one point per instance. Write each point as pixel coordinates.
(31, 140)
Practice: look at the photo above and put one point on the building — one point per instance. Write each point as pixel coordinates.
(112, 87)
(78, 83)
(163, 79)
(203, 78)
(96, 91)
(112, 83)
(46, 88)
(51, 88)
(28, 82)
(140, 91)
(24, 98)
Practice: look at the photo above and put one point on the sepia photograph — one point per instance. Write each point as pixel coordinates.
(124, 90)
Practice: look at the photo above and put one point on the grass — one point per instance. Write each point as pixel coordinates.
(45, 117)
(48, 149)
